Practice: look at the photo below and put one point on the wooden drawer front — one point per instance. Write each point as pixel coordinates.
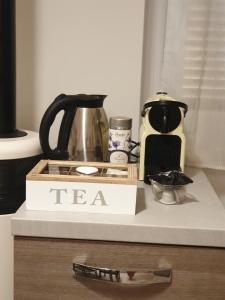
(43, 270)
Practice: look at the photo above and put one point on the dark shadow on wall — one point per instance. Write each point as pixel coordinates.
(25, 55)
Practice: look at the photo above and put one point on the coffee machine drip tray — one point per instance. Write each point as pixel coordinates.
(162, 153)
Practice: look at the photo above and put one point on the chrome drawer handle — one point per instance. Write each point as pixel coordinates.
(128, 277)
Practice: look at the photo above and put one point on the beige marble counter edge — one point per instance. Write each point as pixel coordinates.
(122, 232)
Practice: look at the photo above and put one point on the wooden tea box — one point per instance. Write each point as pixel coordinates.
(82, 187)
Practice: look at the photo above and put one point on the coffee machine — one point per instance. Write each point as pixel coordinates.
(162, 139)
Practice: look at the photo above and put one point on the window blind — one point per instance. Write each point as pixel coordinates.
(194, 70)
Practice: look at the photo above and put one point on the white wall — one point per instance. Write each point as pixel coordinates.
(78, 46)
(154, 34)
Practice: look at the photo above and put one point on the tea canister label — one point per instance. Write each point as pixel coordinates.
(118, 157)
(119, 145)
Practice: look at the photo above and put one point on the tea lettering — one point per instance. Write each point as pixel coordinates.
(99, 197)
(78, 197)
(58, 194)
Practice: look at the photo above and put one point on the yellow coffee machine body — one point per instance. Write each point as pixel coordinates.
(162, 139)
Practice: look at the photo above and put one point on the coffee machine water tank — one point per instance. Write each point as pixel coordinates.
(162, 136)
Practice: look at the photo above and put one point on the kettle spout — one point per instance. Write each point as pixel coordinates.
(100, 97)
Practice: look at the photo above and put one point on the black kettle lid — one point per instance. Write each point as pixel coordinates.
(88, 101)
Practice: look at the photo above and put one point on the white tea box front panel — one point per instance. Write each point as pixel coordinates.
(81, 197)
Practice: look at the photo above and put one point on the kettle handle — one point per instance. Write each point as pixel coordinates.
(62, 102)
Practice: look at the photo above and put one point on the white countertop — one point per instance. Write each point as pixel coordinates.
(199, 221)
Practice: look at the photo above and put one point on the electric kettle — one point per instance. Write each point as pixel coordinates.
(83, 133)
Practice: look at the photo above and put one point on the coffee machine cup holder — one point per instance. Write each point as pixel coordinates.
(168, 187)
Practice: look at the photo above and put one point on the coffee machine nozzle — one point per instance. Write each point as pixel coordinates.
(162, 136)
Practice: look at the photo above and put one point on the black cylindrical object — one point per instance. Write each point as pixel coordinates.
(19, 151)
(7, 68)
(12, 182)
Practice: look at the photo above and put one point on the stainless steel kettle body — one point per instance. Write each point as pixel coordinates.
(89, 135)
(83, 134)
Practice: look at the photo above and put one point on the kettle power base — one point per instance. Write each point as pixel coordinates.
(82, 187)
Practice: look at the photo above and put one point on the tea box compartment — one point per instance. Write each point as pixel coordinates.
(82, 187)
